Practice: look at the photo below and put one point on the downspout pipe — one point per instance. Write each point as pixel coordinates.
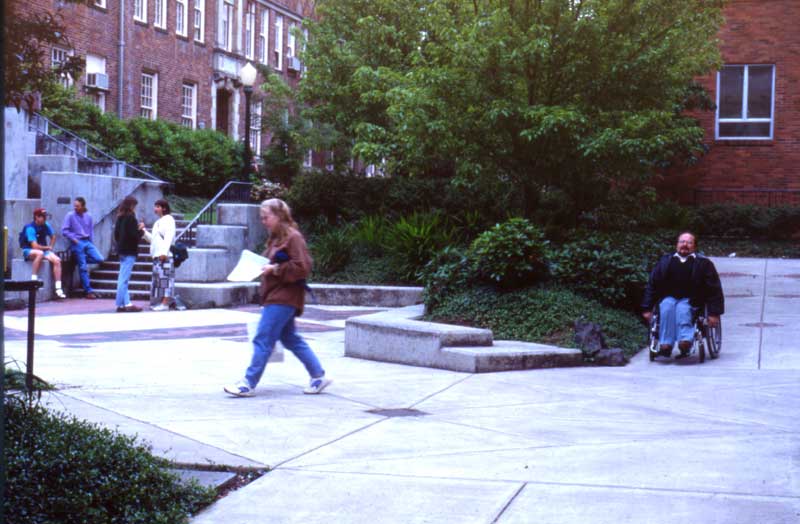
(121, 61)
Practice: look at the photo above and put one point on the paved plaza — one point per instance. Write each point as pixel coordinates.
(664, 442)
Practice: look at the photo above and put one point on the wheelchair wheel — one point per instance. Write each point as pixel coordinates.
(701, 351)
(714, 340)
(653, 347)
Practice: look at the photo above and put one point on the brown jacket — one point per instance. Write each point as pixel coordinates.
(283, 286)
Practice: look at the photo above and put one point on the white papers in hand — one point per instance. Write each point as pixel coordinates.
(250, 267)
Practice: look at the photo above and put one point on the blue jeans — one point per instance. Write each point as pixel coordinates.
(85, 253)
(675, 321)
(125, 269)
(277, 323)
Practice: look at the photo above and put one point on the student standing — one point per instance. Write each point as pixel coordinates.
(282, 296)
(126, 235)
(161, 237)
(78, 228)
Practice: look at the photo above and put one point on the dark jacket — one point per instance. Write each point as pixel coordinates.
(127, 235)
(286, 285)
(706, 287)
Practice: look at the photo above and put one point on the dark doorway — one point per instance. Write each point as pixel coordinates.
(223, 110)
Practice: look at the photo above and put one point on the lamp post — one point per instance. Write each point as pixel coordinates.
(247, 75)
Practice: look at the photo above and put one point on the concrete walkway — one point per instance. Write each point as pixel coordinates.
(663, 442)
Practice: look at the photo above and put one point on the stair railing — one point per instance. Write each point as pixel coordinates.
(233, 191)
(84, 151)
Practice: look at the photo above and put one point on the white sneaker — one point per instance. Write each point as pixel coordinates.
(317, 385)
(240, 389)
(60, 293)
(160, 307)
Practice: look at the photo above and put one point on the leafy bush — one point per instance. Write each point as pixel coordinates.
(412, 241)
(197, 162)
(370, 234)
(732, 221)
(539, 314)
(332, 250)
(264, 189)
(610, 268)
(510, 255)
(61, 469)
(448, 273)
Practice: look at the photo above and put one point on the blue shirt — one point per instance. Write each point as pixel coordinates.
(38, 234)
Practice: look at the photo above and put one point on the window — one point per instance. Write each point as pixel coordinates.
(180, 17)
(160, 14)
(278, 52)
(308, 158)
(255, 127)
(262, 37)
(140, 10)
(189, 106)
(199, 20)
(95, 66)
(58, 57)
(290, 41)
(100, 3)
(745, 97)
(149, 96)
(225, 36)
(250, 31)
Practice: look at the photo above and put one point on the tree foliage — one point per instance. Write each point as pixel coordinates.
(581, 98)
(28, 37)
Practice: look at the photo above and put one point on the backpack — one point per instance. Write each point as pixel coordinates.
(23, 237)
(179, 253)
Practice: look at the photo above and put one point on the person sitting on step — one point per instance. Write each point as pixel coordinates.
(35, 247)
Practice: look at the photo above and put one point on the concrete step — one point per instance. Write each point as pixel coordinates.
(144, 265)
(109, 274)
(112, 284)
(112, 293)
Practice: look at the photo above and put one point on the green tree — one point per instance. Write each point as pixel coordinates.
(581, 99)
(28, 38)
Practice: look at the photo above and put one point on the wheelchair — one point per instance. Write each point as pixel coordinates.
(706, 340)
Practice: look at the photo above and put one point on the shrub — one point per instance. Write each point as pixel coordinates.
(540, 314)
(61, 469)
(264, 189)
(412, 241)
(332, 250)
(610, 268)
(510, 255)
(448, 273)
(735, 221)
(370, 234)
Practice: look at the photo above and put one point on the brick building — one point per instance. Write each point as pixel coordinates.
(754, 135)
(179, 60)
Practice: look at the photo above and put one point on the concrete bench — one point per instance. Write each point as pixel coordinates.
(21, 270)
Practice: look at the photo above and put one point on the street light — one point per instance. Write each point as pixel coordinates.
(247, 75)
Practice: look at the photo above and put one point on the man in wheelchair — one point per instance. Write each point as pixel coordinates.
(682, 285)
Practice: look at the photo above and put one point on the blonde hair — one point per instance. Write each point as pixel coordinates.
(286, 223)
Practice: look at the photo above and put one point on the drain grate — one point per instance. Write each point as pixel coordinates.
(399, 412)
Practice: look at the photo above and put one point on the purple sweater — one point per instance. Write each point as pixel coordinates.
(77, 227)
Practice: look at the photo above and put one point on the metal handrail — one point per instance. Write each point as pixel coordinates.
(45, 131)
(205, 215)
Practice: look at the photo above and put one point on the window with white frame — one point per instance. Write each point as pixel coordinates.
(745, 102)
(96, 65)
(225, 37)
(308, 158)
(278, 51)
(199, 20)
(263, 36)
(250, 31)
(189, 105)
(140, 10)
(149, 96)
(59, 57)
(180, 17)
(290, 41)
(160, 13)
(100, 3)
(255, 127)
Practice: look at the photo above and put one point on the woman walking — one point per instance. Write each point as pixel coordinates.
(162, 290)
(126, 235)
(282, 295)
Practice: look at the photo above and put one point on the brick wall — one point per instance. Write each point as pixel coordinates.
(755, 171)
(175, 59)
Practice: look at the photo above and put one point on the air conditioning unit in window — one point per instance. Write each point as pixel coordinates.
(294, 64)
(97, 80)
